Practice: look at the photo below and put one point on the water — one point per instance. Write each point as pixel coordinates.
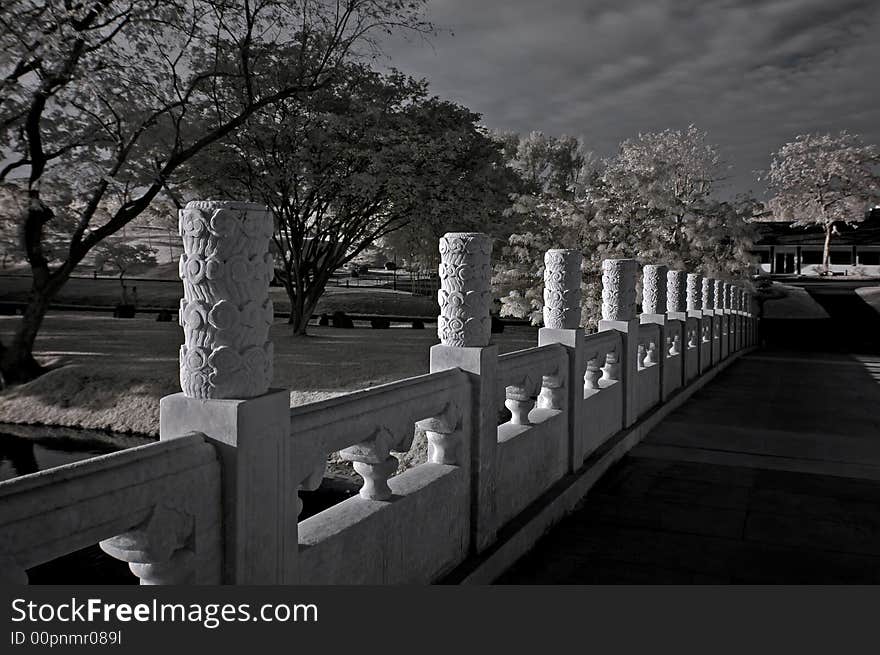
(28, 449)
(25, 450)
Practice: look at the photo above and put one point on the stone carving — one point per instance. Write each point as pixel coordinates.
(676, 291)
(708, 293)
(611, 370)
(719, 294)
(562, 289)
(654, 289)
(373, 461)
(311, 482)
(552, 394)
(728, 295)
(157, 551)
(225, 311)
(520, 400)
(619, 289)
(464, 295)
(593, 373)
(694, 292)
(444, 435)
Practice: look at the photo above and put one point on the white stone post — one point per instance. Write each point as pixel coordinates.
(695, 310)
(562, 318)
(619, 313)
(709, 330)
(741, 306)
(676, 304)
(654, 311)
(225, 373)
(464, 328)
(735, 317)
(750, 320)
(722, 318)
(731, 319)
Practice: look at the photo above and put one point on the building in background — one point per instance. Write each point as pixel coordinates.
(786, 250)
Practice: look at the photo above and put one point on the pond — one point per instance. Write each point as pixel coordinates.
(28, 449)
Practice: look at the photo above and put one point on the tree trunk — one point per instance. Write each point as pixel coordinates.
(826, 255)
(17, 363)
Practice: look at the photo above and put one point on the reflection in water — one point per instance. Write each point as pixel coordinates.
(22, 455)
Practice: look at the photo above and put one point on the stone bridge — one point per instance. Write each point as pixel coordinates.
(602, 457)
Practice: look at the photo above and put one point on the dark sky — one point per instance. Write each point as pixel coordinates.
(753, 73)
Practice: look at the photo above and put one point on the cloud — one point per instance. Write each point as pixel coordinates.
(753, 73)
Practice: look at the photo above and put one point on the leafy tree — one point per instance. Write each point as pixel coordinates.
(653, 201)
(475, 199)
(101, 103)
(350, 164)
(122, 255)
(824, 179)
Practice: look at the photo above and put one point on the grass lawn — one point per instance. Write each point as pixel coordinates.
(112, 372)
(167, 293)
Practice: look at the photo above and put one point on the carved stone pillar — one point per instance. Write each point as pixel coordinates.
(619, 289)
(225, 311)
(225, 373)
(676, 294)
(694, 292)
(562, 319)
(654, 278)
(708, 294)
(562, 289)
(619, 313)
(464, 295)
(464, 328)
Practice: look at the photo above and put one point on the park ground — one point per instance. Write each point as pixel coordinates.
(109, 374)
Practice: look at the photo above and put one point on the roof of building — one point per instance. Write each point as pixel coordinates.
(866, 232)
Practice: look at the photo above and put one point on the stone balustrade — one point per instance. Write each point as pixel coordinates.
(217, 498)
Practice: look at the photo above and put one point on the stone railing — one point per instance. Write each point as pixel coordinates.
(509, 437)
(156, 507)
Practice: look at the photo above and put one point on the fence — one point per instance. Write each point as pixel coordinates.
(216, 499)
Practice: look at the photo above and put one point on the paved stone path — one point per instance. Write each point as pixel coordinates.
(770, 474)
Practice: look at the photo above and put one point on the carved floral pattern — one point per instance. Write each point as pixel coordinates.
(676, 291)
(373, 461)
(619, 289)
(708, 293)
(562, 289)
(225, 312)
(694, 291)
(654, 289)
(719, 294)
(464, 295)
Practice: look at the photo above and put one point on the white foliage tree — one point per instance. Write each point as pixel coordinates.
(825, 180)
(653, 201)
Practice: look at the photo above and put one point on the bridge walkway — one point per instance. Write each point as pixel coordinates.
(770, 474)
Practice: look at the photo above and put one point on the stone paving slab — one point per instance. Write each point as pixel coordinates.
(769, 475)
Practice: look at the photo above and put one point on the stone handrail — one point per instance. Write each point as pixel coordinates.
(603, 352)
(533, 377)
(366, 426)
(156, 507)
(649, 345)
(223, 505)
